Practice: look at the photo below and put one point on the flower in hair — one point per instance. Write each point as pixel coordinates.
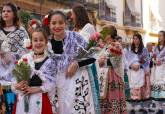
(33, 21)
(46, 21)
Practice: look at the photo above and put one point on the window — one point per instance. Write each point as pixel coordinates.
(107, 11)
(131, 16)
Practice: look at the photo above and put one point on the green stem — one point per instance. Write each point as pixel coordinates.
(26, 103)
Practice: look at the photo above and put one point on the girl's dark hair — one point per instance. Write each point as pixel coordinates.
(141, 45)
(81, 16)
(16, 21)
(56, 12)
(39, 29)
(163, 32)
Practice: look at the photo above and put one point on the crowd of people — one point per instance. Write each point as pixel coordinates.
(78, 71)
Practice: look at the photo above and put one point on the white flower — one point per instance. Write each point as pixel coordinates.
(27, 43)
(34, 26)
(19, 61)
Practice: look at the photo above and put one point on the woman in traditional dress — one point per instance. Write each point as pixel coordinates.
(12, 36)
(86, 29)
(138, 73)
(73, 82)
(112, 99)
(41, 82)
(158, 70)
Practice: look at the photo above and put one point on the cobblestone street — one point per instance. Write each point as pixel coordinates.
(146, 107)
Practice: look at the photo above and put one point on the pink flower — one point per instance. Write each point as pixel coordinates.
(95, 36)
(154, 56)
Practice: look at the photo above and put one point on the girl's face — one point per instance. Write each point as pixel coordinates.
(73, 16)
(57, 25)
(39, 42)
(7, 14)
(160, 37)
(136, 40)
(108, 39)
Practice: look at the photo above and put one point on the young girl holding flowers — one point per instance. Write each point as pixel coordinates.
(111, 79)
(41, 81)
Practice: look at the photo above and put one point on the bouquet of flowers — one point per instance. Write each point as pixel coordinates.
(94, 38)
(96, 43)
(22, 72)
(115, 49)
(114, 53)
(154, 58)
(91, 47)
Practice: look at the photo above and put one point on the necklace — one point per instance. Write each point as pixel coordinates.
(58, 39)
(42, 53)
(40, 58)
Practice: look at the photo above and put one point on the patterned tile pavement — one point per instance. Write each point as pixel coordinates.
(147, 107)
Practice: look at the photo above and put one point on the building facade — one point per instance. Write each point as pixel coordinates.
(126, 15)
(129, 16)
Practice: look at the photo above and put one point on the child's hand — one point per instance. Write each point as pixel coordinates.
(32, 90)
(102, 61)
(21, 85)
(72, 69)
(135, 67)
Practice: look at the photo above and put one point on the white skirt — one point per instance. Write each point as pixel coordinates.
(67, 89)
(35, 104)
(136, 78)
(158, 75)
